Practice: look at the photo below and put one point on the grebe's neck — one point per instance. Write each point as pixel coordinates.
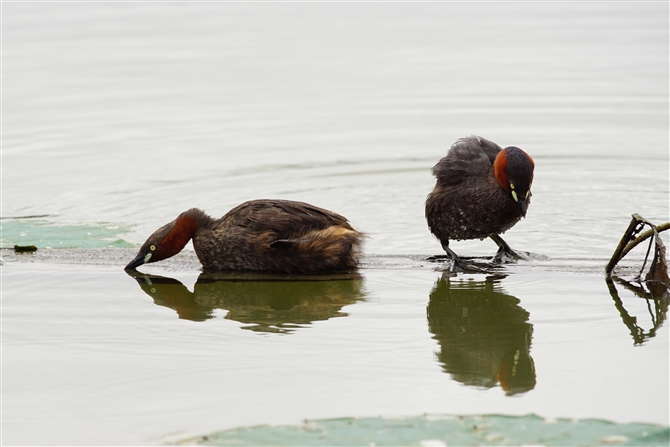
(500, 169)
(196, 217)
(182, 230)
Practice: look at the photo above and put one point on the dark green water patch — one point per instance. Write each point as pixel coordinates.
(446, 430)
(44, 234)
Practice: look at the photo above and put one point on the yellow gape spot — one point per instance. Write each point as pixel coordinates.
(516, 199)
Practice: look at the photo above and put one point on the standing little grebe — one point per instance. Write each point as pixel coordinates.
(482, 190)
(260, 235)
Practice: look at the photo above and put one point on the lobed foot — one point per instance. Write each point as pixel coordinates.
(460, 265)
(505, 254)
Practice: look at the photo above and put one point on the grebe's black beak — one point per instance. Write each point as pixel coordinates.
(140, 259)
(523, 205)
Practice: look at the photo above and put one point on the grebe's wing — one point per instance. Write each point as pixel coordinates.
(285, 218)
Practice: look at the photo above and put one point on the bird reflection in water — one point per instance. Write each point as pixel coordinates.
(655, 293)
(484, 334)
(273, 303)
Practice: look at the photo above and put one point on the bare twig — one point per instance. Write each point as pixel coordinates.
(642, 237)
(658, 271)
(634, 228)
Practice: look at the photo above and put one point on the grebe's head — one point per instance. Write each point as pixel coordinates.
(165, 242)
(513, 169)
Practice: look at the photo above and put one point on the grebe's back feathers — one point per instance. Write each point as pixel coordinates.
(469, 156)
(286, 219)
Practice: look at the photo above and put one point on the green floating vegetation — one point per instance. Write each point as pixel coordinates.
(44, 234)
(445, 430)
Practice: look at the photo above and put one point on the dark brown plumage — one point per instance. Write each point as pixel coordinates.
(482, 190)
(260, 235)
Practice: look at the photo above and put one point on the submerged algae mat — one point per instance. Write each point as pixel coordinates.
(43, 233)
(443, 431)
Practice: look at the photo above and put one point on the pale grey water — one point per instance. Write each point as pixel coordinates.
(127, 114)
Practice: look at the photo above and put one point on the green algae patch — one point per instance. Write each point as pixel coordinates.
(444, 431)
(44, 234)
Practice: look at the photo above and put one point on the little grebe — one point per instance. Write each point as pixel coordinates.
(482, 190)
(260, 235)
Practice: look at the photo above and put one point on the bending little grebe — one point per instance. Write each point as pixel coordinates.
(482, 190)
(260, 235)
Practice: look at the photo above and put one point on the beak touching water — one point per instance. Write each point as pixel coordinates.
(140, 259)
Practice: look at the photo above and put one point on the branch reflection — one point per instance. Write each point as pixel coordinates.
(264, 302)
(657, 294)
(484, 334)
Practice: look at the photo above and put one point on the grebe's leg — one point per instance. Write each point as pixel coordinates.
(505, 253)
(459, 265)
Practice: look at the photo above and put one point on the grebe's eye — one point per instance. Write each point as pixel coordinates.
(152, 247)
(511, 185)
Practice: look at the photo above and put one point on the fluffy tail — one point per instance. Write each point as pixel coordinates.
(334, 249)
